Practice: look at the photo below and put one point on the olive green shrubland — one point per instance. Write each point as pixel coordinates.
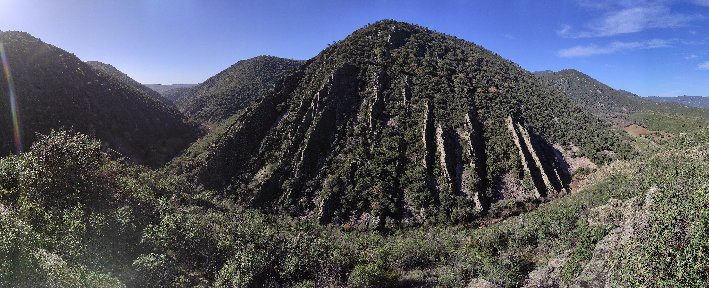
(72, 216)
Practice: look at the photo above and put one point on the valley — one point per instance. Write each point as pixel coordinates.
(398, 156)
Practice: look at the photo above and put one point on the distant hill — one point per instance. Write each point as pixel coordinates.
(399, 124)
(691, 101)
(233, 89)
(110, 71)
(169, 91)
(55, 89)
(599, 98)
(624, 108)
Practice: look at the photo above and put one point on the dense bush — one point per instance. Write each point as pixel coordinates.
(138, 227)
(370, 276)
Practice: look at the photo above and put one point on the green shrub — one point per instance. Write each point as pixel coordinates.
(370, 276)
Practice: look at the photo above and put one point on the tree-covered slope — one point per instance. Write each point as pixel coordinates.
(598, 98)
(400, 124)
(164, 89)
(232, 90)
(692, 101)
(54, 89)
(622, 107)
(107, 70)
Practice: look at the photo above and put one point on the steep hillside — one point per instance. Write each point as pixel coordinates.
(598, 98)
(52, 89)
(107, 70)
(401, 124)
(691, 101)
(621, 107)
(233, 89)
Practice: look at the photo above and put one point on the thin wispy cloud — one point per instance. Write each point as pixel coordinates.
(701, 2)
(623, 17)
(703, 66)
(614, 47)
(691, 56)
(564, 30)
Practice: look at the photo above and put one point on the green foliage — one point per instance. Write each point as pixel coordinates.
(150, 229)
(370, 276)
(24, 262)
(672, 123)
(585, 244)
(232, 90)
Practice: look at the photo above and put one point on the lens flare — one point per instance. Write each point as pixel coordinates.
(16, 133)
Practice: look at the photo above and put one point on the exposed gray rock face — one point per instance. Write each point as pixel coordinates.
(542, 163)
(631, 217)
(548, 275)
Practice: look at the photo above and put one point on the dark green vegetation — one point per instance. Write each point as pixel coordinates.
(403, 125)
(232, 90)
(169, 89)
(107, 70)
(54, 89)
(622, 107)
(398, 157)
(692, 101)
(70, 216)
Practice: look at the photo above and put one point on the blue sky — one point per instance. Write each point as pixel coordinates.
(646, 47)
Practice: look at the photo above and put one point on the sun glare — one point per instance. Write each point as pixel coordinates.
(16, 135)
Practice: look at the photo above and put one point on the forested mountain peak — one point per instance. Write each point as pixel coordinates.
(403, 124)
(233, 89)
(54, 89)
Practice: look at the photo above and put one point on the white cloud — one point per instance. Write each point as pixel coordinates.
(631, 16)
(590, 50)
(691, 56)
(564, 30)
(703, 66)
(636, 19)
(701, 2)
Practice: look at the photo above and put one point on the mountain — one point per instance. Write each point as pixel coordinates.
(233, 89)
(54, 89)
(171, 92)
(401, 124)
(692, 101)
(162, 89)
(396, 124)
(598, 98)
(107, 70)
(625, 109)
